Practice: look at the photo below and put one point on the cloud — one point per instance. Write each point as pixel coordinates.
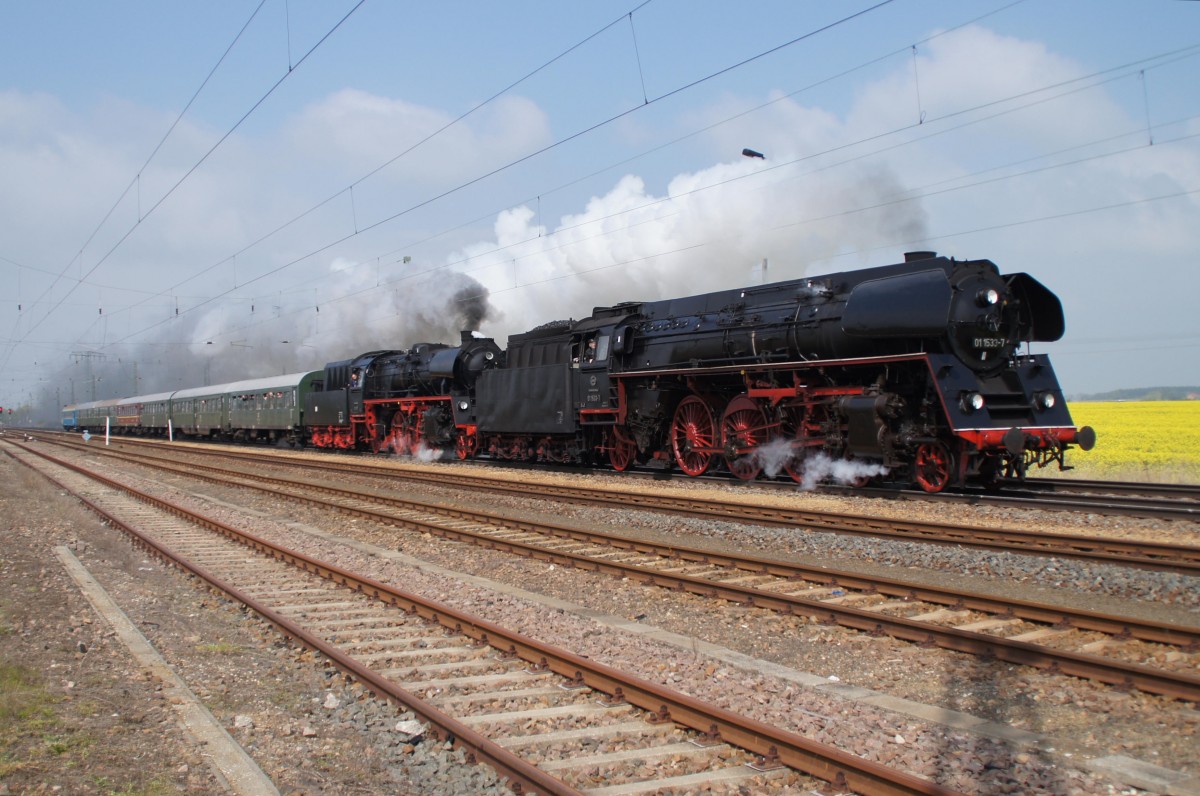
(977, 67)
(709, 230)
(684, 219)
(353, 132)
(710, 227)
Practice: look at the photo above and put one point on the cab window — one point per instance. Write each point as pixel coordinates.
(601, 347)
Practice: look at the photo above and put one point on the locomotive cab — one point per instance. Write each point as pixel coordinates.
(592, 349)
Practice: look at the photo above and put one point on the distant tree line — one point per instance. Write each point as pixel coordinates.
(1145, 394)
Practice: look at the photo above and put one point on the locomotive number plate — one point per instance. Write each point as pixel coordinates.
(989, 342)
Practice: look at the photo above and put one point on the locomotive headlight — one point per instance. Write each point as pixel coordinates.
(463, 406)
(988, 297)
(971, 402)
(1044, 400)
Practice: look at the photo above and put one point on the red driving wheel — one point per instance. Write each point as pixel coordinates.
(693, 436)
(466, 445)
(743, 429)
(623, 450)
(933, 466)
(405, 436)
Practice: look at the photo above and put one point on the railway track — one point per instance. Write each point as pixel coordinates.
(1149, 501)
(1184, 559)
(1127, 502)
(1118, 499)
(526, 708)
(1154, 657)
(1126, 499)
(1073, 485)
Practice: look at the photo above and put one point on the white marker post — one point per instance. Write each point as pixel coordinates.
(170, 431)
(107, 421)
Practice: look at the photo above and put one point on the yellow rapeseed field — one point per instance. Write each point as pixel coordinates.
(1156, 441)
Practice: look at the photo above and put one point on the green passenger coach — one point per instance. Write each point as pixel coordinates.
(268, 410)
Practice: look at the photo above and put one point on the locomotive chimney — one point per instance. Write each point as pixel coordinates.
(912, 257)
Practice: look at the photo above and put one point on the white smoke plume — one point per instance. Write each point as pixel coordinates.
(425, 455)
(356, 312)
(710, 231)
(258, 338)
(421, 453)
(847, 472)
(773, 456)
(815, 468)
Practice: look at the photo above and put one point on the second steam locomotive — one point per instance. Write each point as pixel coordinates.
(912, 369)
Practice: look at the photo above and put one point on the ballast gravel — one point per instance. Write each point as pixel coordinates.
(1062, 713)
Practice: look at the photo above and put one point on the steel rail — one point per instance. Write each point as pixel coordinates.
(1147, 555)
(1121, 674)
(520, 774)
(1127, 499)
(1187, 491)
(1059, 616)
(1156, 556)
(773, 745)
(1113, 505)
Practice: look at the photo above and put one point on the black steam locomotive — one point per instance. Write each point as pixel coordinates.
(400, 401)
(911, 369)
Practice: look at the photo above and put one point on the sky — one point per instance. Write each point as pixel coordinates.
(200, 192)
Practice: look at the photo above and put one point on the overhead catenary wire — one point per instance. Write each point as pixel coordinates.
(912, 195)
(136, 180)
(408, 150)
(698, 131)
(317, 251)
(699, 245)
(1072, 86)
(511, 164)
(358, 230)
(195, 166)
